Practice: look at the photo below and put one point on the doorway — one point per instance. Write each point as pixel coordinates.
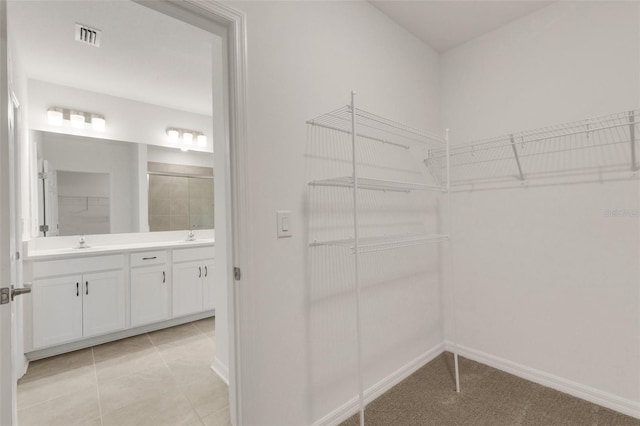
(228, 131)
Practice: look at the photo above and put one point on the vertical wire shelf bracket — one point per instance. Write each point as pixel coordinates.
(515, 154)
(632, 138)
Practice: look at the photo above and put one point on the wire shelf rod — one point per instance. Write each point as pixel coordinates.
(535, 154)
(505, 141)
(398, 125)
(337, 119)
(360, 135)
(342, 116)
(377, 184)
(372, 242)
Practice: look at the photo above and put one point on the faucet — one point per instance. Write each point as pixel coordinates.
(191, 236)
(82, 243)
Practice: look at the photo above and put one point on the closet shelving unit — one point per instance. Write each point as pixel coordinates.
(602, 144)
(362, 129)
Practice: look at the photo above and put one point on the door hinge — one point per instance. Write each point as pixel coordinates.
(44, 228)
(42, 175)
(237, 274)
(5, 295)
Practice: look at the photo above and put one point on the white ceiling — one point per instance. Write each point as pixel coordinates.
(444, 25)
(144, 55)
(149, 57)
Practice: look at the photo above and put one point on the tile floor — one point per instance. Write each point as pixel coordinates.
(159, 378)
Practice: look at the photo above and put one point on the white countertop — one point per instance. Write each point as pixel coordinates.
(115, 248)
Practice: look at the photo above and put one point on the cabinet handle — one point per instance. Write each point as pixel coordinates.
(164, 277)
(200, 270)
(206, 272)
(149, 258)
(77, 289)
(87, 287)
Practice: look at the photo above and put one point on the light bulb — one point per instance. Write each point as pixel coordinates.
(77, 119)
(187, 138)
(55, 116)
(173, 135)
(98, 123)
(202, 140)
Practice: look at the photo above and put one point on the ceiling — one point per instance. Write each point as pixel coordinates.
(149, 57)
(444, 25)
(144, 55)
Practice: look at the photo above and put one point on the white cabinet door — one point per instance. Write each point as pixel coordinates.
(103, 302)
(187, 288)
(207, 289)
(149, 295)
(57, 310)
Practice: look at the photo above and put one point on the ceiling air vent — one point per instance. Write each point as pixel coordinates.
(88, 35)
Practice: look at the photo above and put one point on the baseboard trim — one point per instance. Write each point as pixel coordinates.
(25, 367)
(129, 332)
(605, 399)
(221, 370)
(351, 407)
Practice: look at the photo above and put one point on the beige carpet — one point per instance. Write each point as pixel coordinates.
(488, 397)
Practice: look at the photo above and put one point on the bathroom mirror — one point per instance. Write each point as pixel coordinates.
(105, 110)
(99, 186)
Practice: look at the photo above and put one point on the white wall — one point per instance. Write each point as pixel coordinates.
(543, 278)
(126, 120)
(304, 59)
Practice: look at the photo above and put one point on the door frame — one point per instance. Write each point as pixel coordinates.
(236, 153)
(202, 13)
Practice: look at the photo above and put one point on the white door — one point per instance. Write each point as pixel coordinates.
(8, 264)
(57, 310)
(149, 295)
(187, 288)
(103, 303)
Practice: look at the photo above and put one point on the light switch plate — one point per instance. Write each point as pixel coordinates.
(284, 223)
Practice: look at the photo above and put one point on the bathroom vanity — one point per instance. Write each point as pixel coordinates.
(113, 289)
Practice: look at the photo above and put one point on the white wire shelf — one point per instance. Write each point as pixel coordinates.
(375, 128)
(371, 244)
(606, 142)
(377, 185)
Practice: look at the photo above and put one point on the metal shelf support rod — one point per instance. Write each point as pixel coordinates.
(515, 154)
(356, 246)
(451, 277)
(632, 137)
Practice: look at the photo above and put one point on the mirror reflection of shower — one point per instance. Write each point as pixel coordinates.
(74, 203)
(180, 197)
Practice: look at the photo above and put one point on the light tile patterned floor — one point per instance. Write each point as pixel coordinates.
(160, 378)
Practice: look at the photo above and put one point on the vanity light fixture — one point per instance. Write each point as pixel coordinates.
(186, 137)
(98, 122)
(174, 135)
(77, 119)
(56, 116)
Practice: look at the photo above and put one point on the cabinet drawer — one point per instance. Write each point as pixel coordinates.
(148, 258)
(52, 268)
(196, 253)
